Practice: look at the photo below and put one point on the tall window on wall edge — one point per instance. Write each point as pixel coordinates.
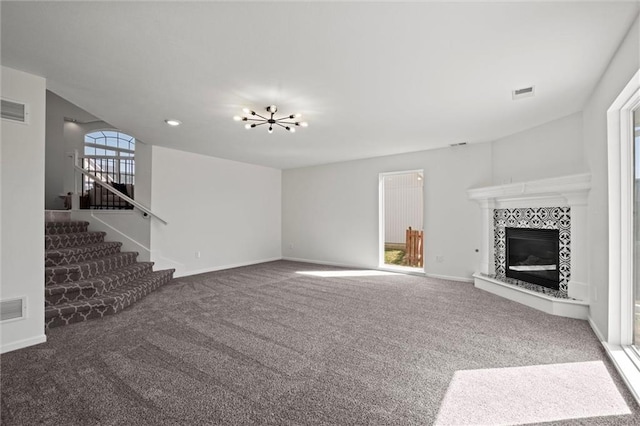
(622, 340)
(110, 155)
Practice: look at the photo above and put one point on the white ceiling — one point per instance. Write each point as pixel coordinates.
(371, 79)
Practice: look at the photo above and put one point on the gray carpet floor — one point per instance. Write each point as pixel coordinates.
(266, 345)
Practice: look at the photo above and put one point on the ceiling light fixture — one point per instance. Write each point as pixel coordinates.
(284, 122)
(173, 122)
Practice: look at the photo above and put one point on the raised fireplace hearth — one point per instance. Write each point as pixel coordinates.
(533, 256)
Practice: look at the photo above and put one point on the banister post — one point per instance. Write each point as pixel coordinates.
(75, 201)
(76, 159)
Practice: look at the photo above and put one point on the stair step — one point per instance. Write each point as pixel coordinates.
(107, 303)
(80, 254)
(52, 242)
(93, 287)
(88, 269)
(69, 227)
(57, 215)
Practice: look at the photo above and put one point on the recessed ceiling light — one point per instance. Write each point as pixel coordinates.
(173, 122)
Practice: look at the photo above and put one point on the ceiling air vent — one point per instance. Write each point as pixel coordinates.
(523, 93)
(12, 309)
(14, 111)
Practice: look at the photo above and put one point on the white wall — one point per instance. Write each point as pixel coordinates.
(22, 186)
(58, 145)
(226, 210)
(550, 150)
(144, 167)
(622, 67)
(330, 213)
(129, 227)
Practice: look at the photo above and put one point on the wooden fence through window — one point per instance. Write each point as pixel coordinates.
(413, 256)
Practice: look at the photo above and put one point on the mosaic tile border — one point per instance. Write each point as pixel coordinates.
(534, 218)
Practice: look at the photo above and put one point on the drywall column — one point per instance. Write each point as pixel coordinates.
(487, 260)
(578, 287)
(22, 220)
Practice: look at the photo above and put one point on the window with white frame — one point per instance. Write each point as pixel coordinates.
(109, 154)
(624, 235)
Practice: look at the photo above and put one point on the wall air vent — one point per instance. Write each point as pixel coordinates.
(14, 111)
(458, 144)
(525, 92)
(12, 309)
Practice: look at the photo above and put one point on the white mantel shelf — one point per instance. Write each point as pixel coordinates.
(562, 307)
(549, 191)
(565, 191)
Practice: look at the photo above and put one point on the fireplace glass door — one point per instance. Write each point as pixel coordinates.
(532, 255)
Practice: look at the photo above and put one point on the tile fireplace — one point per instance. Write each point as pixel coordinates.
(533, 247)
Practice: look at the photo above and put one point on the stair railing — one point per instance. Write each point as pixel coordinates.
(105, 185)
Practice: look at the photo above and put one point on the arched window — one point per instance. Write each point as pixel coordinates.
(110, 155)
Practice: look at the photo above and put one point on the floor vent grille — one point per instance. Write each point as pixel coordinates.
(12, 309)
(14, 111)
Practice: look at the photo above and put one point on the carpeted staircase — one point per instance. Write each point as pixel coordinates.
(86, 277)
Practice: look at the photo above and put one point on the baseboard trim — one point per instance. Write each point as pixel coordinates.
(23, 343)
(375, 268)
(351, 266)
(450, 278)
(223, 267)
(595, 329)
(320, 262)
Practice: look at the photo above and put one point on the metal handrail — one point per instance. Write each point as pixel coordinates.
(114, 191)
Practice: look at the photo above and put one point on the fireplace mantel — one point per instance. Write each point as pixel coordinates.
(558, 191)
(565, 191)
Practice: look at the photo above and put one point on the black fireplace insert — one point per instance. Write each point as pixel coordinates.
(533, 256)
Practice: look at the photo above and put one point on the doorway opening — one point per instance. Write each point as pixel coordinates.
(401, 220)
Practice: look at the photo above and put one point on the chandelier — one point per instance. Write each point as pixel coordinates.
(288, 122)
